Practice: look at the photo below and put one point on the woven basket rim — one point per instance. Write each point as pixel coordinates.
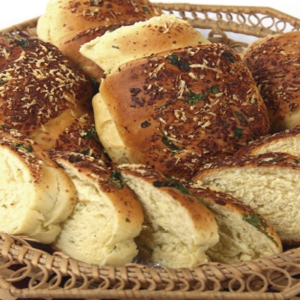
(249, 280)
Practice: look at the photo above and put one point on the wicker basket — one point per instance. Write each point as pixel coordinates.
(30, 271)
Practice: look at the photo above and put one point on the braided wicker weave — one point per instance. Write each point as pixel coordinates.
(27, 271)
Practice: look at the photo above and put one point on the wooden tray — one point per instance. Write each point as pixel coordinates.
(30, 271)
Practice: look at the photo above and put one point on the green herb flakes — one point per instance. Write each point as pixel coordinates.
(258, 223)
(215, 89)
(116, 179)
(230, 56)
(194, 98)
(178, 62)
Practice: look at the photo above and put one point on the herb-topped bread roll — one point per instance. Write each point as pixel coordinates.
(43, 94)
(178, 229)
(269, 183)
(175, 111)
(70, 24)
(36, 196)
(142, 39)
(107, 216)
(274, 63)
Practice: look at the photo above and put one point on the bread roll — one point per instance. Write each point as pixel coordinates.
(68, 25)
(107, 216)
(178, 229)
(64, 18)
(43, 93)
(36, 196)
(175, 111)
(269, 183)
(287, 141)
(142, 39)
(243, 234)
(273, 62)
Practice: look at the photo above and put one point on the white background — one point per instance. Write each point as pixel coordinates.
(16, 11)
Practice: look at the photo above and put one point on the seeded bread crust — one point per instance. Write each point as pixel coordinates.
(178, 229)
(273, 61)
(107, 216)
(36, 195)
(286, 141)
(175, 111)
(269, 183)
(44, 95)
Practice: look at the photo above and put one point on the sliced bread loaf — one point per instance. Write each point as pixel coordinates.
(244, 234)
(178, 229)
(287, 141)
(107, 216)
(36, 196)
(269, 183)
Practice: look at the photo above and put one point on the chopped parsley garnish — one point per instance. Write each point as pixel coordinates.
(238, 132)
(172, 183)
(230, 56)
(194, 98)
(145, 124)
(146, 10)
(24, 148)
(2, 81)
(240, 117)
(178, 62)
(116, 179)
(165, 140)
(90, 134)
(259, 223)
(24, 43)
(215, 89)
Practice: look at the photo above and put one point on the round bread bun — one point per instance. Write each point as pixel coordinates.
(273, 61)
(36, 196)
(107, 216)
(44, 95)
(175, 111)
(142, 39)
(63, 19)
(68, 25)
(177, 229)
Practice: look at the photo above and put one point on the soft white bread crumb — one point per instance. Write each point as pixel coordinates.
(244, 235)
(269, 183)
(178, 229)
(35, 194)
(106, 219)
(142, 39)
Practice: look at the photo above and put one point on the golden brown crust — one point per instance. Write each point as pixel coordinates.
(273, 61)
(70, 46)
(177, 111)
(44, 95)
(65, 17)
(268, 143)
(266, 160)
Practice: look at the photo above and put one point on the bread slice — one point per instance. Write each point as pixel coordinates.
(244, 234)
(273, 61)
(287, 141)
(178, 229)
(269, 183)
(142, 39)
(107, 216)
(36, 196)
(175, 112)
